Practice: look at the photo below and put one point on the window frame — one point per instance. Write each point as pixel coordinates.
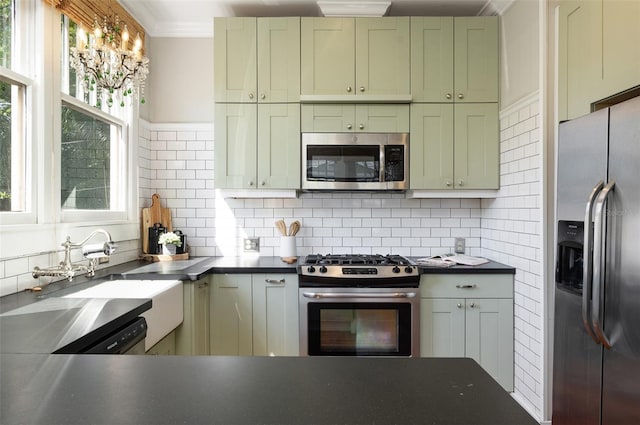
(22, 42)
(119, 173)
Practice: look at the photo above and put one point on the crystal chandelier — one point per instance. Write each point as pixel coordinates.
(105, 64)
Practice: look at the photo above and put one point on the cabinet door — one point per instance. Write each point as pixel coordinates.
(231, 321)
(476, 156)
(431, 146)
(275, 315)
(382, 56)
(377, 118)
(327, 56)
(432, 59)
(279, 59)
(279, 146)
(192, 337)
(476, 59)
(165, 347)
(234, 59)
(442, 327)
(328, 118)
(236, 149)
(489, 340)
(621, 53)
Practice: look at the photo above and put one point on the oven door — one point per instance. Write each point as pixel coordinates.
(359, 322)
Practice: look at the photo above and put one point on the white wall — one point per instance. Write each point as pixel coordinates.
(512, 224)
(180, 87)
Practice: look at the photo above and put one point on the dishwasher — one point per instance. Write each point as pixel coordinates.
(127, 340)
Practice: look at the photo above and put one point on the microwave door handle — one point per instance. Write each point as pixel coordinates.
(383, 162)
(587, 258)
(597, 306)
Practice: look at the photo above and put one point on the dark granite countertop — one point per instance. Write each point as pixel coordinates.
(65, 325)
(492, 267)
(82, 389)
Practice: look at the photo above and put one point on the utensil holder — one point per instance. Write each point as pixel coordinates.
(288, 247)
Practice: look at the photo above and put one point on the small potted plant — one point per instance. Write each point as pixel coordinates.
(169, 241)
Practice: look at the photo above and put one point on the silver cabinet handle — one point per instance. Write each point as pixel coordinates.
(349, 89)
(262, 183)
(275, 280)
(319, 295)
(361, 126)
(459, 305)
(263, 96)
(598, 274)
(250, 95)
(349, 126)
(460, 96)
(448, 96)
(465, 286)
(362, 88)
(587, 278)
(472, 305)
(250, 183)
(203, 285)
(460, 182)
(448, 183)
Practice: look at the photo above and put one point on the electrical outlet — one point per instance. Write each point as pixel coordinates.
(252, 245)
(459, 246)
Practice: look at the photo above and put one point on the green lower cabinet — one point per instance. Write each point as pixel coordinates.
(469, 316)
(454, 146)
(275, 315)
(192, 336)
(165, 347)
(231, 315)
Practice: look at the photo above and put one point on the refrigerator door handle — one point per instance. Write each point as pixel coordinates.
(597, 306)
(587, 277)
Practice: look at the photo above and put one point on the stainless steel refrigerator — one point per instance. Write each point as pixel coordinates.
(596, 361)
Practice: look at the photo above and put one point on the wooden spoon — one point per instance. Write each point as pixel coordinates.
(282, 227)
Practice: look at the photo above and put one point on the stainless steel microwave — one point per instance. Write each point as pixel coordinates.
(355, 161)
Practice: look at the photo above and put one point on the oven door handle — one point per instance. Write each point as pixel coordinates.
(319, 295)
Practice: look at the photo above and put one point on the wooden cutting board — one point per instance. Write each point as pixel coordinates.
(152, 215)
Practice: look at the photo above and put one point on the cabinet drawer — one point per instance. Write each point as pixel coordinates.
(466, 286)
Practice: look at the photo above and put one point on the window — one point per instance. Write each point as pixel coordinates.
(93, 154)
(14, 89)
(12, 146)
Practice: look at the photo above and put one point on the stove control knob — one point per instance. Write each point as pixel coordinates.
(323, 269)
(408, 269)
(311, 269)
(396, 269)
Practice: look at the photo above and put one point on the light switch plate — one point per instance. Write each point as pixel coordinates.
(459, 246)
(252, 245)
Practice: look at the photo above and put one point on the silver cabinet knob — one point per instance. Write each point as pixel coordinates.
(459, 305)
(349, 126)
(472, 305)
(448, 183)
(460, 182)
(348, 89)
(262, 183)
(250, 95)
(361, 126)
(362, 88)
(263, 96)
(202, 285)
(460, 96)
(250, 183)
(448, 96)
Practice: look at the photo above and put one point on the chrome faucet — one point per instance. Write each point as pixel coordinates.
(68, 269)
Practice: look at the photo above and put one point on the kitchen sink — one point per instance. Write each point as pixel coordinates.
(166, 311)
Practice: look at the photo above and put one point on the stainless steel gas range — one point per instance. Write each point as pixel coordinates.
(359, 305)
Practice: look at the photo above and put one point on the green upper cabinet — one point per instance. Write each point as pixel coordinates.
(350, 57)
(366, 118)
(257, 146)
(454, 146)
(257, 59)
(454, 59)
